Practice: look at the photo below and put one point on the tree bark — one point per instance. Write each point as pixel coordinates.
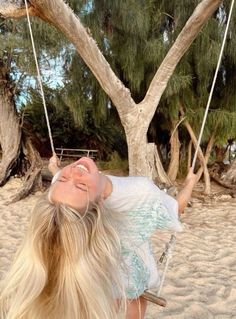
(32, 177)
(207, 154)
(220, 153)
(154, 161)
(144, 159)
(10, 131)
(200, 157)
(221, 182)
(17, 148)
(190, 144)
(174, 151)
(132, 115)
(230, 176)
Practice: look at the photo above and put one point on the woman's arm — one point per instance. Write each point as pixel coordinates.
(54, 164)
(184, 195)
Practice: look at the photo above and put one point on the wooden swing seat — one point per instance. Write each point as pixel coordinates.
(152, 297)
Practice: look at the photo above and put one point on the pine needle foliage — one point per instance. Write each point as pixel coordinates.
(135, 37)
(199, 65)
(66, 132)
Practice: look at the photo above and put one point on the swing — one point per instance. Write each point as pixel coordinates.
(166, 255)
(148, 295)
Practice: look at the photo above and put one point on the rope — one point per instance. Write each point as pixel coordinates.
(168, 255)
(169, 250)
(212, 86)
(39, 79)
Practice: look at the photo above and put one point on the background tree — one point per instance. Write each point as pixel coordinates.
(16, 66)
(148, 38)
(68, 128)
(199, 66)
(135, 117)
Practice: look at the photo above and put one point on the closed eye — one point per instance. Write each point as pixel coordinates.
(80, 186)
(63, 179)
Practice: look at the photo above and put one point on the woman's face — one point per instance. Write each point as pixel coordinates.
(77, 184)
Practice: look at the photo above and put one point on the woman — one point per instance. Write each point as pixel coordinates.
(87, 254)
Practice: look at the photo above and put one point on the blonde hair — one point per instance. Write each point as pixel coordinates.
(66, 267)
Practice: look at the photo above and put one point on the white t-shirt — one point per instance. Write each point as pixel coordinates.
(146, 208)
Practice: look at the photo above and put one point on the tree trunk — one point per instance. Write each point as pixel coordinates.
(61, 16)
(190, 144)
(174, 153)
(144, 159)
(230, 176)
(220, 153)
(207, 154)
(17, 149)
(156, 167)
(200, 157)
(10, 131)
(32, 176)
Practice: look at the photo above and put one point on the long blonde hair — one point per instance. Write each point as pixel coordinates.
(66, 267)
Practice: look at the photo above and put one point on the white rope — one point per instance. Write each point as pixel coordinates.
(39, 79)
(212, 86)
(169, 253)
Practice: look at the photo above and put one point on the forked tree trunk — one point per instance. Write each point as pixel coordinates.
(61, 16)
(174, 153)
(201, 158)
(207, 154)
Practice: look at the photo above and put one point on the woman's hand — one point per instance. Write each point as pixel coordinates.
(191, 178)
(185, 194)
(54, 164)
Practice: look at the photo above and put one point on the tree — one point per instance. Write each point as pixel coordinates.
(135, 117)
(16, 145)
(200, 63)
(18, 152)
(67, 130)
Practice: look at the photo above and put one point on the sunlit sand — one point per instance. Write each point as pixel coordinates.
(201, 280)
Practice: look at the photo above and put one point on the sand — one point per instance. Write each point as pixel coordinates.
(201, 280)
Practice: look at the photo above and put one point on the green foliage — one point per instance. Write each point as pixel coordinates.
(134, 36)
(198, 65)
(65, 130)
(115, 162)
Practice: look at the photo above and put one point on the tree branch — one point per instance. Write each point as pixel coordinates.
(191, 29)
(60, 15)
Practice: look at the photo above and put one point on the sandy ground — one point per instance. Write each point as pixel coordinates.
(201, 280)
